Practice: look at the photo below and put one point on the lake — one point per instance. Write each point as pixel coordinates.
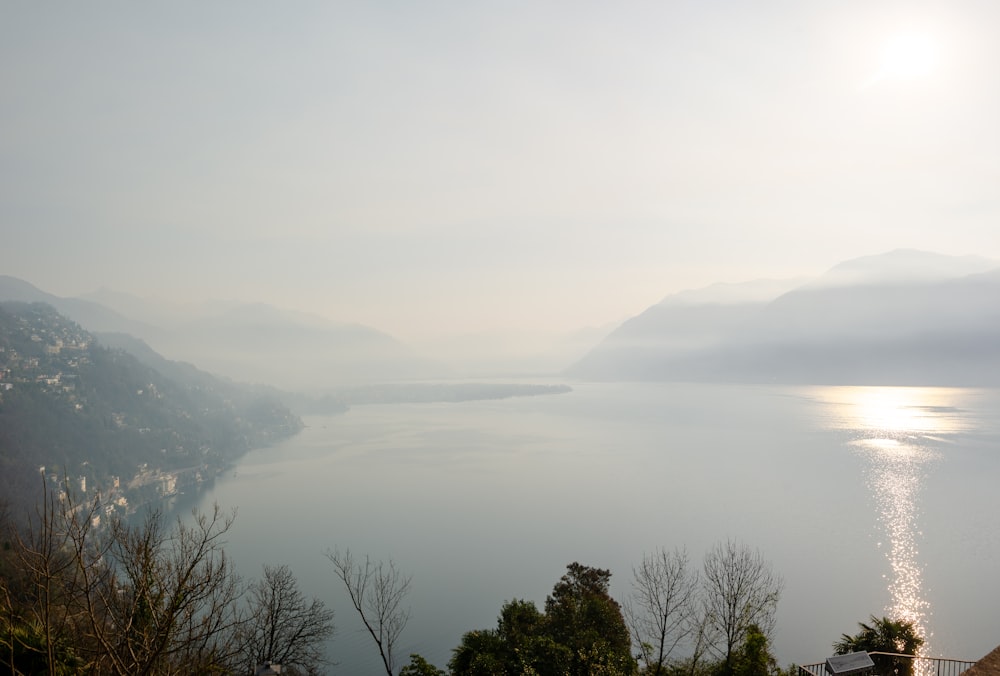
(866, 501)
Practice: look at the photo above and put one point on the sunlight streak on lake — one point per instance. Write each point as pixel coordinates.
(895, 430)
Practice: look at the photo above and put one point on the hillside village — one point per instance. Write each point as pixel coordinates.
(62, 392)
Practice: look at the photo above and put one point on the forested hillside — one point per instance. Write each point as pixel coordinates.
(99, 416)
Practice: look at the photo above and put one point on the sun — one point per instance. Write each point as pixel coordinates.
(906, 56)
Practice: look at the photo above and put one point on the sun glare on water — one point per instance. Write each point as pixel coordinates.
(895, 431)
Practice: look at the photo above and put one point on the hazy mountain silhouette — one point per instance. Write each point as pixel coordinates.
(904, 265)
(88, 314)
(291, 350)
(248, 342)
(905, 317)
(155, 311)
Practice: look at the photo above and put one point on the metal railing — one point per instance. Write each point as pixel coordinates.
(923, 666)
(818, 669)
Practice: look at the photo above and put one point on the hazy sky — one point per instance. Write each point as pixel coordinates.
(428, 167)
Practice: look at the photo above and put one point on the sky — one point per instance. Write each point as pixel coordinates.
(432, 168)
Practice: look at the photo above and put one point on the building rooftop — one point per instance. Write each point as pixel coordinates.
(988, 666)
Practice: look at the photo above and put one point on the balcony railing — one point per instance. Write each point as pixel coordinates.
(923, 666)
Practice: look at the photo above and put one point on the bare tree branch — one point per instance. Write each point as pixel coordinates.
(162, 597)
(377, 590)
(282, 626)
(740, 589)
(661, 606)
(45, 554)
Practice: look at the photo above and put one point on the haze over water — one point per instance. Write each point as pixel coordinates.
(867, 501)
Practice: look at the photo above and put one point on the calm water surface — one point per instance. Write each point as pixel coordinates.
(867, 501)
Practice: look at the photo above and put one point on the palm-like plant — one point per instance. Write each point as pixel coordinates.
(887, 636)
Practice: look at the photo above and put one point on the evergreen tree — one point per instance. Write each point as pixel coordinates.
(884, 635)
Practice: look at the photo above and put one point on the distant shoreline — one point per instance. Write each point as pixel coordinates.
(341, 399)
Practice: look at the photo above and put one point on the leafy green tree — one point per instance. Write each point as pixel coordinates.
(583, 617)
(525, 634)
(25, 649)
(418, 666)
(582, 631)
(520, 644)
(481, 653)
(884, 635)
(754, 657)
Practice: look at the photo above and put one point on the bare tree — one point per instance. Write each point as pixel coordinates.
(48, 571)
(377, 590)
(660, 609)
(164, 600)
(740, 589)
(125, 599)
(700, 637)
(282, 626)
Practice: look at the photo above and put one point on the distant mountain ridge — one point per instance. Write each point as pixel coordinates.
(903, 318)
(249, 342)
(905, 265)
(92, 316)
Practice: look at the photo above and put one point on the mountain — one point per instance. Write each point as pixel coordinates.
(93, 316)
(756, 291)
(83, 410)
(155, 311)
(656, 344)
(249, 342)
(904, 265)
(260, 343)
(906, 318)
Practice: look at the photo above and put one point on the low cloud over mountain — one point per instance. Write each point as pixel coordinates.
(904, 318)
